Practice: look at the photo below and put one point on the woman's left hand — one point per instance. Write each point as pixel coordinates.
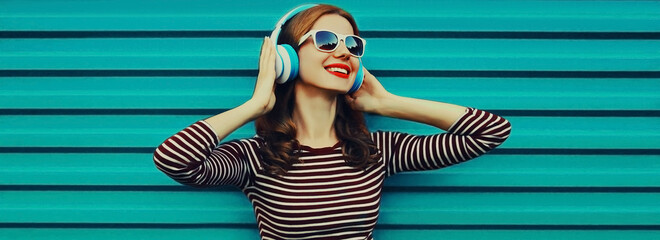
(370, 96)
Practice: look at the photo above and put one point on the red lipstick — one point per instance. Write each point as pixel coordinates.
(339, 70)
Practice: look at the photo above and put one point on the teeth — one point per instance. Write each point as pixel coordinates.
(339, 70)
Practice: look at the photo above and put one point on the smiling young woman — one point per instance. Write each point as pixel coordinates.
(314, 170)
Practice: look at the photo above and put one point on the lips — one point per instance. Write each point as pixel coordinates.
(338, 69)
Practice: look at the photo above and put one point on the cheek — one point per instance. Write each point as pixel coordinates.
(308, 63)
(305, 69)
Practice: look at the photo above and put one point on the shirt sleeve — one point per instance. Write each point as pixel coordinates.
(473, 134)
(192, 157)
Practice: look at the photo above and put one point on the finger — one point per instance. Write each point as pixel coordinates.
(272, 54)
(264, 50)
(350, 101)
(264, 54)
(268, 67)
(366, 72)
(349, 98)
(264, 45)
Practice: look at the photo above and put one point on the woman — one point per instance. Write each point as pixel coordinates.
(314, 171)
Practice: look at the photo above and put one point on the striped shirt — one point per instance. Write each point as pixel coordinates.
(321, 197)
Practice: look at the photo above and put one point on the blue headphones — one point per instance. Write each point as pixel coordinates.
(286, 62)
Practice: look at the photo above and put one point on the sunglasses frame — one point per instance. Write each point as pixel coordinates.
(340, 37)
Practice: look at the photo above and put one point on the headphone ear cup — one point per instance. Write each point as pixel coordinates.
(286, 63)
(359, 78)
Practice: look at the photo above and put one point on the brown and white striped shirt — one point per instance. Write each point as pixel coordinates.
(321, 197)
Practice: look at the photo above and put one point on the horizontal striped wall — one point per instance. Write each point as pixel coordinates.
(88, 89)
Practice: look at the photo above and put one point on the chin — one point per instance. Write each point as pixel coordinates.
(331, 83)
(338, 88)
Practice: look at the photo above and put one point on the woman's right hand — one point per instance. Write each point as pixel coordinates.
(263, 98)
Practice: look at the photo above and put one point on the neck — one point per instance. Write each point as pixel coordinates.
(314, 116)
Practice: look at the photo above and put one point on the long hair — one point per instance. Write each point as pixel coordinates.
(277, 127)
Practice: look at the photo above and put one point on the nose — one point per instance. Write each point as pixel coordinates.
(342, 50)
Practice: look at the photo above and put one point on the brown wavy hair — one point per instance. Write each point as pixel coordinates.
(277, 127)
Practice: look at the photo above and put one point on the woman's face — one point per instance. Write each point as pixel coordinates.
(314, 70)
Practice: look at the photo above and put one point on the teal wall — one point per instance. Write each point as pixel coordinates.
(88, 89)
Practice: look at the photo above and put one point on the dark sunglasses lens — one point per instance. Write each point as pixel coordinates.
(326, 40)
(355, 46)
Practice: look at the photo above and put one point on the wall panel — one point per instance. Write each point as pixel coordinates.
(88, 89)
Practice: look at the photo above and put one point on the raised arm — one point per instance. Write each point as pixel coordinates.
(473, 134)
(262, 101)
(372, 97)
(192, 156)
(470, 132)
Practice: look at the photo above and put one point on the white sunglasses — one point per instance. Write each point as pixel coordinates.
(328, 41)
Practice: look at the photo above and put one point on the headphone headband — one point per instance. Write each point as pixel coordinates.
(278, 26)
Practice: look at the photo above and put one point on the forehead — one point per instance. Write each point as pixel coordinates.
(334, 22)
